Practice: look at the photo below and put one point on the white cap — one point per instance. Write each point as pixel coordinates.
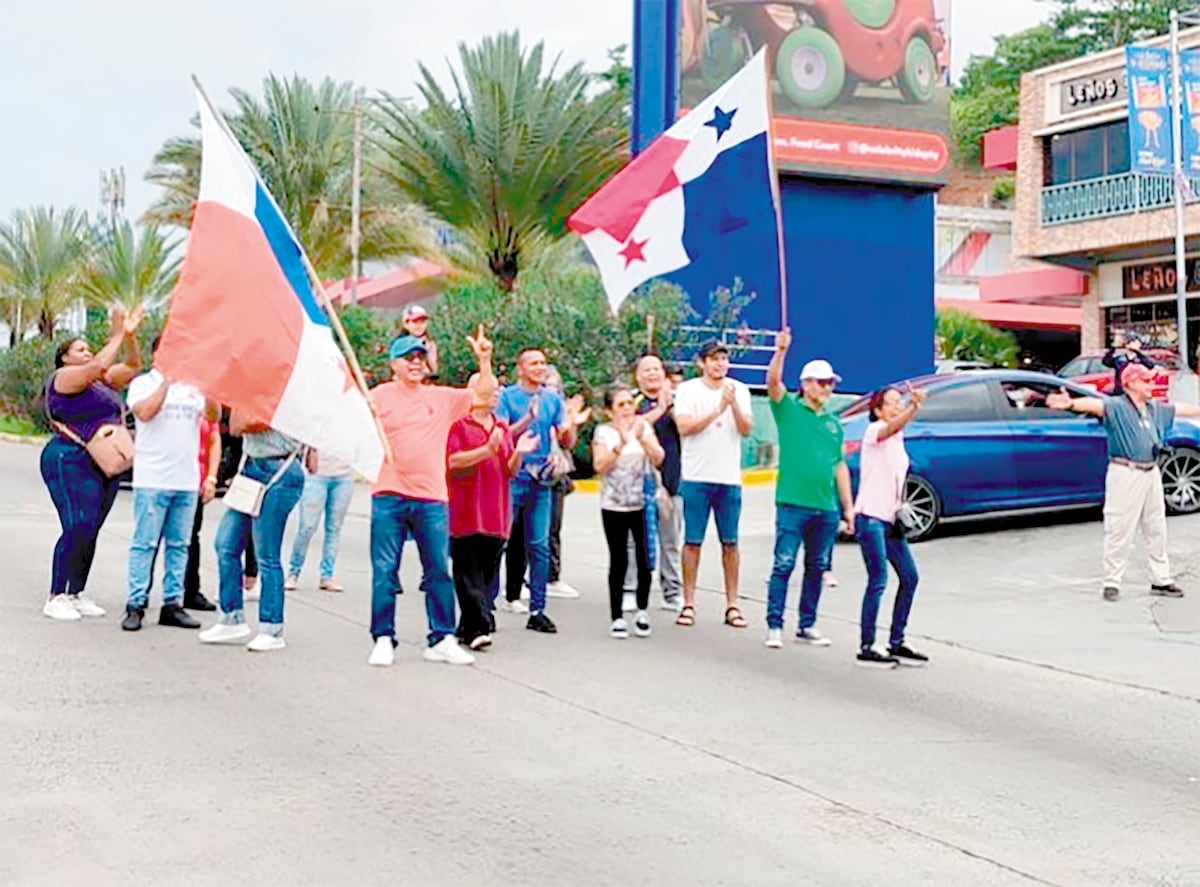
(820, 370)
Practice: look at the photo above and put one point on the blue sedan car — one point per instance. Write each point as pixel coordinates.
(986, 443)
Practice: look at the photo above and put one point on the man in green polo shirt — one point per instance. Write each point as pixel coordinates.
(813, 482)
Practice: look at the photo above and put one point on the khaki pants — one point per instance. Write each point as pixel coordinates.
(1133, 499)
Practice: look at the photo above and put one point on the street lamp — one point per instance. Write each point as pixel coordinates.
(1190, 17)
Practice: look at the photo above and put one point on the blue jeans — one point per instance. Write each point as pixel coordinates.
(83, 497)
(393, 520)
(817, 532)
(160, 516)
(267, 529)
(323, 496)
(879, 548)
(531, 505)
(725, 503)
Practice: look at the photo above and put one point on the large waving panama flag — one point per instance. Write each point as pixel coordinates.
(709, 175)
(245, 326)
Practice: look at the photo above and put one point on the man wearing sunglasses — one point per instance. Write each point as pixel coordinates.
(813, 482)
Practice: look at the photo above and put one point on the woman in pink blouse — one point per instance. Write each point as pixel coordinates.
(880, 531)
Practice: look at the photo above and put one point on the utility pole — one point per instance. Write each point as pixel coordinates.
(1181, 280)
(356, 202)
(112, 195)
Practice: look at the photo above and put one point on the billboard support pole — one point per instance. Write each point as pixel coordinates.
(1180, 183)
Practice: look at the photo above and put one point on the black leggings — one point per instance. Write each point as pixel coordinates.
(617, 527)
(476, 564)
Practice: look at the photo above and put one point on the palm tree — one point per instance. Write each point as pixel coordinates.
(127, 270)
(45, 252)
(301, 139)
(507, 155)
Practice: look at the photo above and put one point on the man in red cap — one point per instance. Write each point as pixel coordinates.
(1133, 489)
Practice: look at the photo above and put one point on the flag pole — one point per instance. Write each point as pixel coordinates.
(776, 201)
(326, 303)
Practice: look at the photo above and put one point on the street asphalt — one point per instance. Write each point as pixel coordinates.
(1054, 739)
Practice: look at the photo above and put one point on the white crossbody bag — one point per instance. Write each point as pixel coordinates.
(245, 494)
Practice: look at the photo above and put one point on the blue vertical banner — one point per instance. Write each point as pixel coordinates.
(1149, 72)
(1189, 76)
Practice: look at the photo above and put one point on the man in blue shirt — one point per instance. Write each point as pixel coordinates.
(1133, 488)
(531, 405)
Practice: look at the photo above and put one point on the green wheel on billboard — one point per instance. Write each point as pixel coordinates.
(810, 68)
(918, 80)
(871, 13)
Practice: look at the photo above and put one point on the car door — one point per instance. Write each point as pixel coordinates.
(1060, 457)
(961, 445)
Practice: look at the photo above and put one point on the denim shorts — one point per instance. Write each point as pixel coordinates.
(723, 500)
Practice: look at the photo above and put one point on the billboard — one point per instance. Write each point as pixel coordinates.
(860, 87)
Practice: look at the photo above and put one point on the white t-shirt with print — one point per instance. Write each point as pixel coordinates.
(166, 450)
(624, 487)
(714, 455)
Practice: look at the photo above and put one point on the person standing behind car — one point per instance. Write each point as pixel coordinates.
(82, 396)
(1133, 490)
(1126, 349)
(881, 532)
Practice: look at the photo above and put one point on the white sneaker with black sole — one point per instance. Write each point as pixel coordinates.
(641, 624)
(619, 629)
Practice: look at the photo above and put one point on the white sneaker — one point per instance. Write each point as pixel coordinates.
(226, 634)
(673, 604)
(448, 651)
(829, 580)
(266, 643)
(619, 630)
(61, 608)
(85, 606)
(561, 589)
(641, 624)
(519, 607)
(629, 602)
(250, 591)
(812, 636)
(383, 654)
(291, 583)
(775, 638)
(482, 642)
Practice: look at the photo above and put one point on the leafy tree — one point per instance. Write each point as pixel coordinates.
(369, 335)
(506, 154)
(300, 137)
(961, 336)
(1097, 25)
(45, 252)
(131, 268)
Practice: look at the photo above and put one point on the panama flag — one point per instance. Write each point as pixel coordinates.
(709, 175)
(245, 325)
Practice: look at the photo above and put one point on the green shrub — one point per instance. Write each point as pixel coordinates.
(24, 370)
(369, 335)
(961, 336)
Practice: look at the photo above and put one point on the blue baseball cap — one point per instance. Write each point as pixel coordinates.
(403, 346)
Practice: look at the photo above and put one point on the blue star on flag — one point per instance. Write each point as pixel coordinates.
(722, 121)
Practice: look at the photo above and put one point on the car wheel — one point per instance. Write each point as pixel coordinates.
(918, 80)
(810, 68)
(922, 498)
(1181, 480)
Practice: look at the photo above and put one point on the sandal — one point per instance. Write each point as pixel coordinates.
(735, 619)
(686, 617)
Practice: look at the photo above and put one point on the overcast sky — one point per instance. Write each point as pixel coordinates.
(86, 86)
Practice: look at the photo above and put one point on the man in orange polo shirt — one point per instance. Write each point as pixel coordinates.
(410, 497)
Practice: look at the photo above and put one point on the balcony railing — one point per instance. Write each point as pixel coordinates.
(1118, 195)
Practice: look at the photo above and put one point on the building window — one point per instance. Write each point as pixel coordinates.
(1088, 153)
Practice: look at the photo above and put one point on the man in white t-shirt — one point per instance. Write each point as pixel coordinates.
(166, 485)
(713, 414)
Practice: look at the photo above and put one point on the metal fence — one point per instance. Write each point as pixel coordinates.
(1119, 195)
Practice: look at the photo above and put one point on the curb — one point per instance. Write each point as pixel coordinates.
(752, 477)
(34, 441)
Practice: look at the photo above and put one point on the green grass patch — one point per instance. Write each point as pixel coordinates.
(16, 425)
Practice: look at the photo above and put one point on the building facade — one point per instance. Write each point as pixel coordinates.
(1079, 206)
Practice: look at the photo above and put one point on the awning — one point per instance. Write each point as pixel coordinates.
(1015, 315)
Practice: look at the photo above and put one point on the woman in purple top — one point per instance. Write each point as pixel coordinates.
(82, 394)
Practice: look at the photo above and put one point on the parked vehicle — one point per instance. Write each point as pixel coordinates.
(986, 443)
(1088, 371)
